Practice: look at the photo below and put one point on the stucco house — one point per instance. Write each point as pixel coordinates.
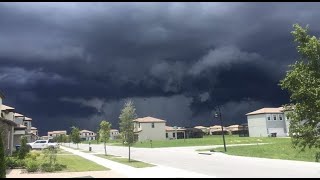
(6, 127)
(149, 128)
(267, 121)
(23, 128)
(206, 130)
(175, 132)
(114, 134)
(217, 130)
(34, 134)
(52, 134)
(87, 135)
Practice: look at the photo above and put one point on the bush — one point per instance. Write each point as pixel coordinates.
(14, 162)
(32, 166)
(33, 155)
(59, 167)
(47, 167)
(24, 148)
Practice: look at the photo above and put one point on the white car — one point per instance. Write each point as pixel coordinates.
(43, 144)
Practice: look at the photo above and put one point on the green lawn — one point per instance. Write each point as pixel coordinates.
(278, 150)
(77, 164)
(74, 163)
(207, 140)
(133, 163)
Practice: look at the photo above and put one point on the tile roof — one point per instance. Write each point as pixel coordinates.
(200, 127)
(148, 119)
(18, 115)
(114, 130)
(55, 132)
(27, 119)
(4, 107)
(266, 110)
(82, 131)
(34, 128)
(169, 128)
(21, 126)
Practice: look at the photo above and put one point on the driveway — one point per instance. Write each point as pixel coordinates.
(216, 164)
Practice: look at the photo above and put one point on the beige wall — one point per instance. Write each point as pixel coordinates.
(149, 133)
(114, 134)
(7, 136)
(9, 115)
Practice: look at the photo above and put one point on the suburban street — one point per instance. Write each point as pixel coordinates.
(216, 164)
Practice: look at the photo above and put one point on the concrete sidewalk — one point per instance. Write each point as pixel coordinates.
(158, 171)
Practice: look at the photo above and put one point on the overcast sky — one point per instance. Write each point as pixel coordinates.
(66, 64)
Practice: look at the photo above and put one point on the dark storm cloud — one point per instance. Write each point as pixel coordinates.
(66, 63)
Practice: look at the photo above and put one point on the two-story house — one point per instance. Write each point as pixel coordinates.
(6, 126)
(267, 121)
(114, 134)
(149, 128)
(34, 134)
(52, 134)
(86, 135)
(20, 130)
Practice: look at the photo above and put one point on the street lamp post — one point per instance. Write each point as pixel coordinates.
(218, 115)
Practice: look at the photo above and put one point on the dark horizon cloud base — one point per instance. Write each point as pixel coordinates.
(66, 64)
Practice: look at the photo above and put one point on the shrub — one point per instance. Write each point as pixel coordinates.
(33, 155)
(14, 162)
(24, 148)
(32, 166)
(47, 167)
(59, 167)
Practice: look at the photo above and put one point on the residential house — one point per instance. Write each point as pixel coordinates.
(6, 126)
(267, 122)
(234, 129)
(149, 128)
(24, 122)
(34, 134)
(217, 130)
(52, 134)
(206, 130)
(87, 135)
(114, 134)
(194, 133)
(175, 132)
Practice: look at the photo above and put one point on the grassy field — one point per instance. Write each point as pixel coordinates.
(277, 150)
(77, 164)
(133, 163)
(207, 140)
(74, 163)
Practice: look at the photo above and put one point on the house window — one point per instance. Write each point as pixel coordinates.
(152, 125)
(139, 125)
(174, 135)
(280, 117)
(26, 124)
(167, 135)
(268, 117)
(274, 117)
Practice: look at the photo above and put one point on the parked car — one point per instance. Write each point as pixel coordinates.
(43, 144)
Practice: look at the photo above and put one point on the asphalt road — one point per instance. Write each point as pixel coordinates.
(216, 164)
